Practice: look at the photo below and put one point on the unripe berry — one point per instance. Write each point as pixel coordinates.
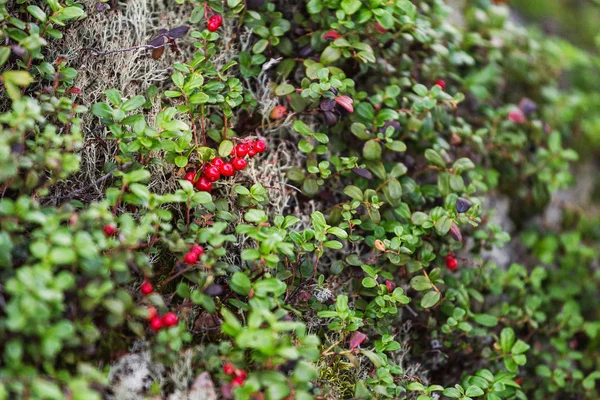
(241, 150)
(227, 169)
(212, 173)
(152, 312)
(214, 23)
(156, 324)
(169, 319)
(204, 185)
(260, 146)
(239, 163)
(146, 288)
(190, 258)
(109, 230)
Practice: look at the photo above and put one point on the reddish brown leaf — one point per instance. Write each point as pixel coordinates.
(356, 339)
(346, 102)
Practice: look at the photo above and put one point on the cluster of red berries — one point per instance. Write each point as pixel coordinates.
(192, 256)
(451, 262)
(214, 23)
(157, 322)
(239, 375)
(217, 167)
(166, 321)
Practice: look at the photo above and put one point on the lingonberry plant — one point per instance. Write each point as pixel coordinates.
(301, 203)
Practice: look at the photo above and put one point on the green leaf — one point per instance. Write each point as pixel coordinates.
(62, 255)
(37, 13)
(396, 145)
(225, 148)
(520, 347)
(70, 13)
(350, 6)
(260, 46)
(486, 320)
(255, 216)
(507, 339)
(420, 283)
(372, 150)
(421, 90)
(443, 225)
(181, 161)
(354, 192)
(430, 299)
(474, 391)
(435, 158)
(330, 55)
(133, 104)
(240, 283)
(284, 89)
(452, 393)
(376, 359)
(340, 233)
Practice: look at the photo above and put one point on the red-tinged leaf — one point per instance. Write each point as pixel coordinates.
(455, 233)
(178, 32)
(345, 102)
(363, 172)
(331, 35)
(356, 339)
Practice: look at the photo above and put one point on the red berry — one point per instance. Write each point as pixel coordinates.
(156, 324)
(239, 163)
(190, 176)
(203, 185)
(214, 23)
(217, 162)
(451, 262)
(152, 313)
(260, 146)
(228, 369)
(240, 373)
(237, 382)
(199, 250)
(212, 173)
(241, 150)
(190, 258)
(109, 230)
(441, 83)
(169, 319)
(75, 90)
(146, 288)
(252, 152)
(227, 169)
